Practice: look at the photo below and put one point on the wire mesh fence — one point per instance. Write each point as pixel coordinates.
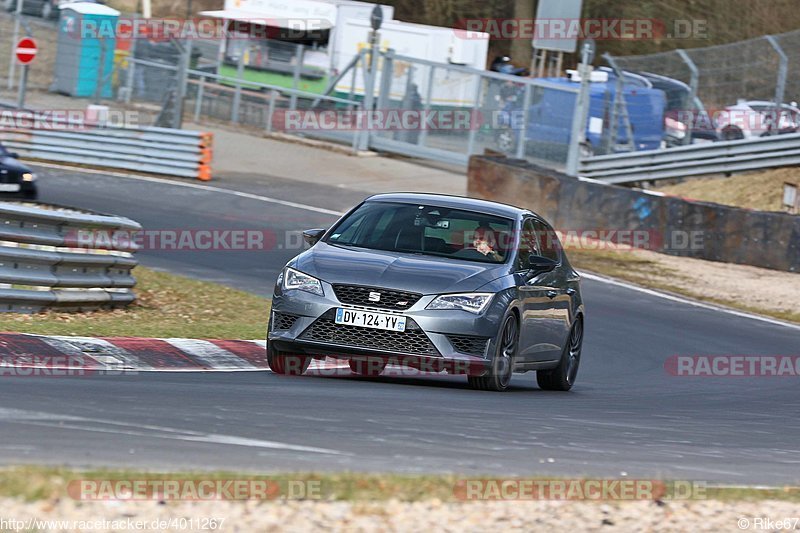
(463, 111)
(709, 89)
(421, 108)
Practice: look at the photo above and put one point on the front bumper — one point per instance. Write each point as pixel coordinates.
(302, 323)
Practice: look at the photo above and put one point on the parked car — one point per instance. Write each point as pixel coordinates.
(15, 177)
(749, 119)
(551, 109)
(47, 9)
(434, 282)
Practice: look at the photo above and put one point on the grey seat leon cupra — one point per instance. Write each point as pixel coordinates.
(436, 283)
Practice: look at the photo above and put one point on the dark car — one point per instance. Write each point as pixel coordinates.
(433, 282)
(15, 177)
(47, 9)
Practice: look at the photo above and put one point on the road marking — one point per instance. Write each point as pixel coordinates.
(197, 186)
(57, 421)
(210, 354)
(689, 301)
(93, 346)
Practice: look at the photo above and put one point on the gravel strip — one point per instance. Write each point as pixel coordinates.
(707, 515)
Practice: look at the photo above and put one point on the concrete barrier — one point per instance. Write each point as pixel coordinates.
(673, 225)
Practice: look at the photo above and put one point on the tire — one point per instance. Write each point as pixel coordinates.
(562, 377)
(367, 367)
(499, 376)
(284, 364)
(732, 134)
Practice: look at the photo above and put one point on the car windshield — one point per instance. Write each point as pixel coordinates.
(427, 230)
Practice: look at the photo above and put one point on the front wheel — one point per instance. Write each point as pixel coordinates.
(499, 376)
(562, 377)
(285, 364)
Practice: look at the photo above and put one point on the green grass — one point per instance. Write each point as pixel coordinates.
(167, 306)
(33, 483)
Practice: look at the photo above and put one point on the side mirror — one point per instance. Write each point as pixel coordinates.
(15, 155)
(540, 264)
(311, 236)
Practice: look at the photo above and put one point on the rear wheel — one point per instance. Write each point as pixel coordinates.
(562, 377)
(367, 367)
(499, 376)
(285, 364)
(732, 134)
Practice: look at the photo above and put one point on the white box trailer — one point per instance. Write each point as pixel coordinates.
(314, 24)
(336, 31)
(446, 46)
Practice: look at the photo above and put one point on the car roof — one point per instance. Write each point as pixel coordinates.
(454, 202)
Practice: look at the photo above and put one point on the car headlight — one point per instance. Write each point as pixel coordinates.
(28, 177)
(474, 302)
(294, 279)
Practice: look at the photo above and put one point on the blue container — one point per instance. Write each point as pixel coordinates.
(85, 55)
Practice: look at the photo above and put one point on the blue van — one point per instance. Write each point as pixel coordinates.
(551, 110)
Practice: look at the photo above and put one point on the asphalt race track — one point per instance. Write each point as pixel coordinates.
(626, 416)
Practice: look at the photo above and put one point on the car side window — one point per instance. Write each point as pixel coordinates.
(550, 247)
(528, 244)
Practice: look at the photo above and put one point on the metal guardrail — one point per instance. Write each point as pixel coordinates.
(166, 151)
(694, 160)
(47, 261)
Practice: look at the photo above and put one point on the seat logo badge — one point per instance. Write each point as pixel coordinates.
(374, 297)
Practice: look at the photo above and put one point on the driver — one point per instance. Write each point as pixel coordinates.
(484, 240)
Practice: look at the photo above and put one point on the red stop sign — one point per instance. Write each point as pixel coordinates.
(25, 50)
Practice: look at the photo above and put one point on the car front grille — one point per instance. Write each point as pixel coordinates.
(283, 321)
(388, 299)
(468, 344)
(412, 341)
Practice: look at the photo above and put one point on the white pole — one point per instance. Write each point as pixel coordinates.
(147, 10)
(13, 61)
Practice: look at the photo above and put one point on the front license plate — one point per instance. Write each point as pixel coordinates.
(9, 187)
(367, 319)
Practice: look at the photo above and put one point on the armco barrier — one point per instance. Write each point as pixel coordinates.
(694, 160)
(165, 151)
(727, 234)
(40, 266)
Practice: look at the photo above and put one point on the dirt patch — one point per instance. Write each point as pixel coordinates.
(756, 190)
(759, 290)
(393, 515)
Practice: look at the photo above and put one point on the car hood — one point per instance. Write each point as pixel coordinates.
(409, 272)
(12, 165)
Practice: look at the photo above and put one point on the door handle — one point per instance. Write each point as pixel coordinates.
(552, 294)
